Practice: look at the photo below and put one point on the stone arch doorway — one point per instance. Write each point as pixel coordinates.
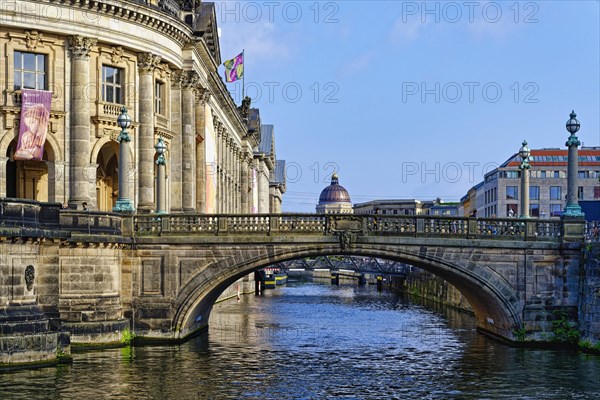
(107, 176)
(494, 301)
(29, 179)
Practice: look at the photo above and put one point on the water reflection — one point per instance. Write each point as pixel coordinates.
(316, 342)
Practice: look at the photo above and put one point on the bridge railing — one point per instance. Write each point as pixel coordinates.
(332, 224)
(592, 231)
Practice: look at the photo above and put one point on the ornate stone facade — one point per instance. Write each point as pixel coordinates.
(162, 69)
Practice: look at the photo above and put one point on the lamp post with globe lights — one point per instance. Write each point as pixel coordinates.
(124, 202)
(524, 152)
(572, 209)
(161, 163)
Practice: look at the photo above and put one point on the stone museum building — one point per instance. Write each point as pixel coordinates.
(157, 58)
(67, 262)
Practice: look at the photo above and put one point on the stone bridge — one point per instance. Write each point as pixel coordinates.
(98, 273)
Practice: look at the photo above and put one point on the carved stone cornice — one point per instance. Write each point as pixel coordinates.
(164, 71)
(202, 95)
(190, 80)
(148, 62)
(80, 46)
(216, 123)
(176, 79)
(163, 133)
(134, 11)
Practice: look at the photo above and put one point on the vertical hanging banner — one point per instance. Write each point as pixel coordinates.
(35, 114)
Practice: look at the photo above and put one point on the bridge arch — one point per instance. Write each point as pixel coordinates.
(494, 300)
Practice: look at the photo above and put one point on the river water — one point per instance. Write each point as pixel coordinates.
(314, 341)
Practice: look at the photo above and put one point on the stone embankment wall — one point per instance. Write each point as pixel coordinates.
(428, 286)
(589, 310)
(242, 286)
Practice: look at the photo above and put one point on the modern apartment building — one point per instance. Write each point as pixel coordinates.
(499, 193)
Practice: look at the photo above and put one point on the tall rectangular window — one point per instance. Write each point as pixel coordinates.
(511, 210)
(534, 192)
(112, 84)
(580, 193)
(555, 193)
(512, 193)
(534, 210)
(596, 192)
(30, 71)
(159, 98)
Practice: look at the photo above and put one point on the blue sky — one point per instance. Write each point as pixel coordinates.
(413, 99)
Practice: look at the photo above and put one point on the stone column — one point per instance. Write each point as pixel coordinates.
(229, 171)
(188, 118)
(3, 161)
(263, 189)
(79, 140)
(225, 171)
(236, 180)
(252, 168)
(244, 178)
(201, 99)
(218, 166)
(221, 169)
(147, 63)
(176, 144)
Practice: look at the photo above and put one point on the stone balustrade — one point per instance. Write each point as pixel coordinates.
(20, 214)
(31, 218)
(364, 225)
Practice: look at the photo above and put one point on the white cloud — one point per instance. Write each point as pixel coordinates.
(262, 42)
(357, 64)
(406, 31)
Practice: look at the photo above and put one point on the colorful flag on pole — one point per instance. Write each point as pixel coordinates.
(35, 114)
(234, 68)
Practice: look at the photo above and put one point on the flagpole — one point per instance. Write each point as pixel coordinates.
(244, 75)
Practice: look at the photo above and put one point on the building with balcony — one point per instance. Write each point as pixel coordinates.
(157, 58)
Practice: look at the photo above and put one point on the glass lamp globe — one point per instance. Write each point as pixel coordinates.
(124, 120)
(524, 151)
(572, 124)
(160, 146)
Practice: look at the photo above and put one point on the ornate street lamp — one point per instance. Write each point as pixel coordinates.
(524, 152)
(572, 209)
(124, 202)
(161, 163)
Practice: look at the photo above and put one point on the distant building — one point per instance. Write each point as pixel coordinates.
(334, 199)
(499, 193)
(469, 202)
(392, 207)
(445, 209)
